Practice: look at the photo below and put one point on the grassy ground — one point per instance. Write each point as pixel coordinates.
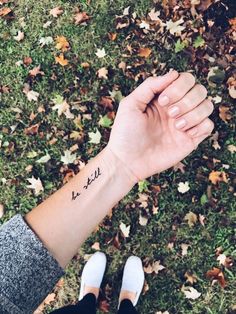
(81, 86)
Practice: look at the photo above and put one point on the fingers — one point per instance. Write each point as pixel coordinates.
(201, 131)
(176, 91)
(191, 100)
(195, 116)
(146, 91)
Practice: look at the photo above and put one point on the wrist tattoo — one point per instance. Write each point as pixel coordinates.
(90, 180)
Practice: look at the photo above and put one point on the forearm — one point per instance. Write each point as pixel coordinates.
(66, 218)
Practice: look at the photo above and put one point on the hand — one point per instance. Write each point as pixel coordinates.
(161, 122)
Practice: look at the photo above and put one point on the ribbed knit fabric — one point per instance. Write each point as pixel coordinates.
(28, 272)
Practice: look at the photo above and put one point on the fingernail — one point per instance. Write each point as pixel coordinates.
(179, 124)
(163, 100)
(174, 111)
(192, 132)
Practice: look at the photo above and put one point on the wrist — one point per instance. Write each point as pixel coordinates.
(117, 170)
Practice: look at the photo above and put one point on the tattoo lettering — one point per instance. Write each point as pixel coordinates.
(90, 180)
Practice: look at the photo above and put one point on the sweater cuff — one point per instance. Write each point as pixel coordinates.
(28, 272)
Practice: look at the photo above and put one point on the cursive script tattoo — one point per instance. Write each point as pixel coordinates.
(90, 180)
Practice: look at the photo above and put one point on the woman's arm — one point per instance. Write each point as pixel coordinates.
(66, 218)
(145, 139)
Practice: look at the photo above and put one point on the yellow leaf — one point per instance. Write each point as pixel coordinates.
(61, 60)
(218, 176)
(62, 43)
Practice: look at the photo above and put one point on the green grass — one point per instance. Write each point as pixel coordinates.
(168, 224)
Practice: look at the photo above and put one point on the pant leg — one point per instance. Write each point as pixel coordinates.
(126, 307)
(86, 306)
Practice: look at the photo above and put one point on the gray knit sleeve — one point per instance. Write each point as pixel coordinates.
(28, 272)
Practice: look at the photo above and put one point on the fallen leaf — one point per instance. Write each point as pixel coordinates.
(62, 43)
(32, 130)
(190, 278)
(36, 71)
(175, 27)
(106, 102)
(20, 36)
(154, 15)
(96, 246)
(217, 176)
(100, 53)
(102, 73)
(191, 219)
(68, 157)
(125, 230)
(183, 187)
(95, 137)
(217, 275)
(45, 41)
(224, 113)
(202, 219)
(62, 106)
(30, 94)
(61, 60)
(154, 267)
(184, 248)
(35, 184)
(143, 220)
(231, 148)
(190, 293)
(55, 12)
(81, 17)
(144, 25)
(144, 52)
(5, 11)
(44, 159)
(232, 91)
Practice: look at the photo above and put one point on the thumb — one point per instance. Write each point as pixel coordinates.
(153, 85)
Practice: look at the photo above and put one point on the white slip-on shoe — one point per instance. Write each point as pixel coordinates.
(133, 277)
(93, 272)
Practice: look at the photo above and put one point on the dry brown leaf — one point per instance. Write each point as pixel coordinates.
(144, 52)
(55, 12)
(5, 11)
(224, 113)
(218, 176)
(32, 130)
(102, 73)
(96, 246)
(36, 71)
(27, 61)
(191, 219)
(20, 36)
(61, 60)
(81, 17)
(112, 36)
(191, 278)
(216, 274)
(106, 102)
